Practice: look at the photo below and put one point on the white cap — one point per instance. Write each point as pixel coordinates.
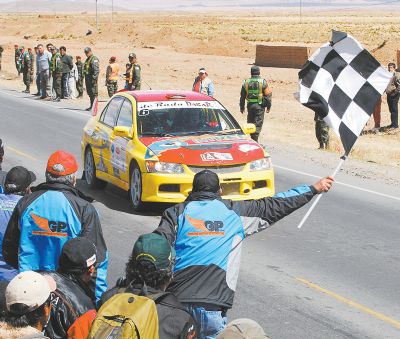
(202, 70)
(242, 329)
(29, 288)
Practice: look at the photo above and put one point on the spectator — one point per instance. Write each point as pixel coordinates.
(28, 306)
(91, 70)
(71, 299)
(133, 75)
(79, 82)
(44, 221)
(38, 93)
(17, 54)
(393, 95)
(127, 69)
(26, 68)
(203, 84)
(148, 272)
(2, 173)
(112, 74)
(67, 66)
(208, 244)
(242, 329)
(43, 67)
(56, 73)
(32, 56)
(1, 53)
(377, 116)
(17, 184)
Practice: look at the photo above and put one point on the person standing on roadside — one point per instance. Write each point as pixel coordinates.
(1, 53)
(17, 54)
(32, 56)
(112, 74)
(259, 98)
(43, 66)
(67, 65)
(56, 72)
(321, 132)
(203, 84)
(133, 74)
(91, 70)
(37, 80)
(26, 68)
(393, 95)
(79, 82)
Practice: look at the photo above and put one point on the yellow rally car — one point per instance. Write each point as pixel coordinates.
(152, 143)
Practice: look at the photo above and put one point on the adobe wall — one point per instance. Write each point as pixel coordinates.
(281, 56)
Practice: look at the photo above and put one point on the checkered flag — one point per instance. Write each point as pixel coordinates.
(342, 82)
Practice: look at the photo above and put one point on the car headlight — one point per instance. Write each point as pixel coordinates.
(163, 167)
(261, 164)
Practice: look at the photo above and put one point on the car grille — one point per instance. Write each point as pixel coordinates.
(218, 169)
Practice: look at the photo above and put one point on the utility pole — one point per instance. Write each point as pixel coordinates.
(97, 20)
(112, 11)
(300, 10)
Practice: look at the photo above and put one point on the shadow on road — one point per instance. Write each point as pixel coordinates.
(118, 200)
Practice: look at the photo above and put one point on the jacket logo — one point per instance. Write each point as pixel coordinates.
(49, 228)
(206, 227)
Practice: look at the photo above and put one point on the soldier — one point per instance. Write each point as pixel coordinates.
(56, 72)
(17, 54)
(25, 67)
(133, 74)
(79, 82)
(1, 52)
(112, 76)
(91, 74)
(321, 132)
(259, 97)
(32, 57)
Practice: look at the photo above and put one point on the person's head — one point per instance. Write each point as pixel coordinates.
(63, 50)
(242, 329)
(53, 49)
(88, 52)
(112, 59)
(22, 48)
(16, 46)
(61, 168)
(132, 58)
(391, 67)
(40, 48)
(28, 300)
(1, 152)
(78, 257)
(35, 49)
(202, 73)
(255, 70)
(78, 58)
(206, 181)
(49, 46)
(29, 50)
(152, 261)
(18, 181)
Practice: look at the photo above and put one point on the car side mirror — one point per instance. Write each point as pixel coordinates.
(122, 131)
(249, 128)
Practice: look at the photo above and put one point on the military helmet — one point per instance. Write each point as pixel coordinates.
(132, 56)
(255, 70)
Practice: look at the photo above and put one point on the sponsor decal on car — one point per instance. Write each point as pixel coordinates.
(247, 147)
(143, 107)
(212, 156)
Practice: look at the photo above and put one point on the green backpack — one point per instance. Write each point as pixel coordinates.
(126, 316)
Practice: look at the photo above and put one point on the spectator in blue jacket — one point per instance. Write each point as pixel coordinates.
(44, 221)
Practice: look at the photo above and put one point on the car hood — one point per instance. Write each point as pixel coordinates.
(206, 150)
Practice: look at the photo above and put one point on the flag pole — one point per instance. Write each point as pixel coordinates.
(337, 169)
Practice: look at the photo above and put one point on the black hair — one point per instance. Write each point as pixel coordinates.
(17, 317)
(392, 64)
(145, 271)
(63, 48)
(49, 44)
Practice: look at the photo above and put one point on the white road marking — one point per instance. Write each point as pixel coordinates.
(340, 183)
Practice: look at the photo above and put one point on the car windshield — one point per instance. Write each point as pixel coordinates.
(173, 121)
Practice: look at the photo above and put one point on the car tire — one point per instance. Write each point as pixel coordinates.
(135, 188)
(90, 171)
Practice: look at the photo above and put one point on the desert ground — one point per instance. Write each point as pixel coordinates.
(171, 46)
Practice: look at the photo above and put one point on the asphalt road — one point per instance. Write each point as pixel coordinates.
(338, 277)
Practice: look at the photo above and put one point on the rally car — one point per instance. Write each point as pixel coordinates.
(152, 143)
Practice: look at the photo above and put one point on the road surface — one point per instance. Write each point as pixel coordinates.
(338, 277)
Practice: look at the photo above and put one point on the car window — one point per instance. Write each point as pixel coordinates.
(110, 113)
(125, 114)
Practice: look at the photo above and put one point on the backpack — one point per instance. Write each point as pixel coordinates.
(126, 316)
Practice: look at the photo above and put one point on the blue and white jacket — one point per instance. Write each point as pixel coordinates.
(44, 221)
(207, 233)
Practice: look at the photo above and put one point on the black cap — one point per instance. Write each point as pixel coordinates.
(87, 49)
(18, 179)
(206, 181)
(78, 254)
(255, 70)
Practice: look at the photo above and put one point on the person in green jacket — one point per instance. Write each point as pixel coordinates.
(56, 72)
(25, 67)
(91, 74)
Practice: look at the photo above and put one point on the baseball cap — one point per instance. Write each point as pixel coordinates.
(255, 70)
(132, 55)
(18, 179)
(202, 70)
(155, 248)
(87, 49)
(242, 329)
(28, 291)
(77, 254)
(61, 163)
(206, 181)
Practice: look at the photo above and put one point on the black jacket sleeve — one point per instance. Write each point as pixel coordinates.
(169, 224)
(11, 238)
(243, 95)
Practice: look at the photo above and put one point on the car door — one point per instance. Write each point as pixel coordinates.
(119, 145)
(105, 131)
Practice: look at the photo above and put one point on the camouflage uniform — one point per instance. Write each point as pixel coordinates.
(56, 72)
(32, 70)
(91, 74)
(79, 82)
(1, 52)
(259, 96)
(17, 55)
(321, 132)
(26, 65)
